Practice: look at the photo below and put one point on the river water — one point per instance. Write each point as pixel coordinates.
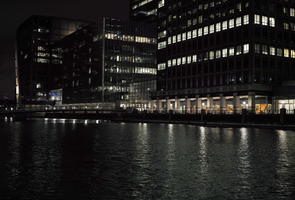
(71, 159)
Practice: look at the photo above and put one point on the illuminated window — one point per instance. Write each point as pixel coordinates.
(246, 19)
(174, 39)
(256, 19)
(286, 53)
(169, 63)
(183, 60)
(178, 61)
(238, 21)
(292, 53)
(169, 40)
(194, 58)
(183, 36)
(162, 45)
(189, 35)
(231, 51)
(194, 33)
(224, 53)
(200, 32)
(211, 55)
(224, 25)
(272, 51)
(218, 27)
(161, 66)
(189, 60)
(218, 54)
(211, 29)
(246, 48)
(292, 12)
(205, 30)
(42, 60)
(231, 23)
(272, 22)
(161, 3)
(173, 62)
(264, 20)
(179, 38)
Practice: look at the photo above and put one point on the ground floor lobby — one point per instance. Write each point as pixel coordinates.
(258, 104)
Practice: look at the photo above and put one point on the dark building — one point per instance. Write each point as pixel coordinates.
(109, 62)
(37, 64)
(225, 55)
(144, 10)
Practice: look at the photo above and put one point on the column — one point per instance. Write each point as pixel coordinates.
(168, 101)
(222, 104)
(159, 105)
(209, 104)
(275, 106)
(188, 105)
(150, 105)
(177, 105)
(251, 102)
(237, 104)
(198, 104)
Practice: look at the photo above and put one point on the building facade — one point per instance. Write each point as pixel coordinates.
(223, 56)
(36, 63)
(144, 10)
(109, 61)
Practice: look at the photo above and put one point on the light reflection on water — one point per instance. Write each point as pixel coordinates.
(79, 159)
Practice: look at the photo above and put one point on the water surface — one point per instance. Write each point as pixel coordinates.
(66, 159)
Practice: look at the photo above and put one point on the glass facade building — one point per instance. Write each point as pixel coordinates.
(108, 61)
(225, 55)
(37, 63)
(144, 10)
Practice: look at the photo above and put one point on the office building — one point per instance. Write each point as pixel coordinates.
(108, 62)
(223, 56)
(144, 10)
(36, 63)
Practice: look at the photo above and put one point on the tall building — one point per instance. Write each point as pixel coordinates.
(36, 62)
(225, 55)
(109, 62)
(144, 10)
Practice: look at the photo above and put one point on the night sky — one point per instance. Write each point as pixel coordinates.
(14, 12)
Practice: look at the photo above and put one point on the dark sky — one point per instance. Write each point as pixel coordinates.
(14, 12)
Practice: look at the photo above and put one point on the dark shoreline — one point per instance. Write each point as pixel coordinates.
(207, 120)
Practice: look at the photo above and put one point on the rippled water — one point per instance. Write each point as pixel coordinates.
(84, 160)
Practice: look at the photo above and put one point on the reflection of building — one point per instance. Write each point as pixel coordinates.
(104, 60)
(37, 63)
(223, 56)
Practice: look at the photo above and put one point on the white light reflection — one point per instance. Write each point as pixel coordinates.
(283, 146)
(244, 162)
(282, 140)
(86, 122)
(203, 151)
(142, 157)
